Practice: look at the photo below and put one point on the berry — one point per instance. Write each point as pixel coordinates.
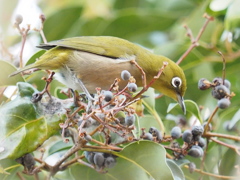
(27, 161)
(89, 156)
(108, 95)
(209, 126)
(125, 75)
(220, 92)
(36, 97)
(204, 84)
(110, 162)
(155, 133)
(227, 83)
(132, 87)
(148, 136)
(98, 159)
(187, 136)
(129, 120)
(202, 142)
(195, 151)
(224, 103)
(197, 130)
(217, 81)
(176, 132)
(19, 19)
(192, 167)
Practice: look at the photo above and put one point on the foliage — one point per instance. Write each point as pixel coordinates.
(26, 125)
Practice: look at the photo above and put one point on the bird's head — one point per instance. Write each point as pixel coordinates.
(172, 83)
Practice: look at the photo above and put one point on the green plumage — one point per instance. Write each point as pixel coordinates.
(98, 60)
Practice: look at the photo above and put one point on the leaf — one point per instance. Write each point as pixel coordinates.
(6, 70)
(176, 170)
(24, 125)
(228, 162)
(234, 120)
(59, 146)
(35, 56)
(191, 107)
(142, 160)
(57, 25)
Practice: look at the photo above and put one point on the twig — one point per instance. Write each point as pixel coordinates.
(212, 175)
(235, 148)
(224, 66)
(226, 136)
(209, 120)
(194, 41)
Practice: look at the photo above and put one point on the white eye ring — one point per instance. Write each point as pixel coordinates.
(176, 82)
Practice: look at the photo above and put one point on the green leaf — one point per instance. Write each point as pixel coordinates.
(191, 107)
(60, 146)
(142, 160)
(6, 70)
(35, 56)
(57, 25)
(24, 125)
(176, 170)
(228, 162)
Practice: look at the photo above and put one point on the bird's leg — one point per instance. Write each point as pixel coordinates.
(144, 81)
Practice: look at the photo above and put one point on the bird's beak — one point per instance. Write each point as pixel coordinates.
(181, 103)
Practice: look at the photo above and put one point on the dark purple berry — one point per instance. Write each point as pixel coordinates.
(217, 81)
(110, 162)
(108, 95)
(27, 161)
(125, 75)
(195, 151)
(130, 120)
(36, 97)
(187, 136)
(132, 87)
(202, 142)
(89, 156)
(204, 84)
(227, 83)
(176, 132)
(209, 126)
(220, 92)
(197, 130)
(98, 160)
(224, 103)
(147, 136)
(156, 133)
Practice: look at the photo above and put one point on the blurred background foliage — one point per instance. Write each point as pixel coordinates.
(158, 26)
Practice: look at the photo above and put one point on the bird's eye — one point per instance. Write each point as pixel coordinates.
(176, 82)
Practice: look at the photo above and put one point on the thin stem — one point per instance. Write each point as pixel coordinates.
(235, 148)
(226, 136)
(194, 41)
(212, 175)
(224, 66)
(209, 120)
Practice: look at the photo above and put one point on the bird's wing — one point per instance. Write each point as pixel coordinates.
(102, 45)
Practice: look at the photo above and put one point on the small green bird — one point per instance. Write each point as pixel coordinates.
(98, 60)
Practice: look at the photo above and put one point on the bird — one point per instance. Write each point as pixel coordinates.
(97, 60)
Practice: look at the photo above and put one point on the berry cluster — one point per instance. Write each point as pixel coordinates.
(100, 160)
(220, 90)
